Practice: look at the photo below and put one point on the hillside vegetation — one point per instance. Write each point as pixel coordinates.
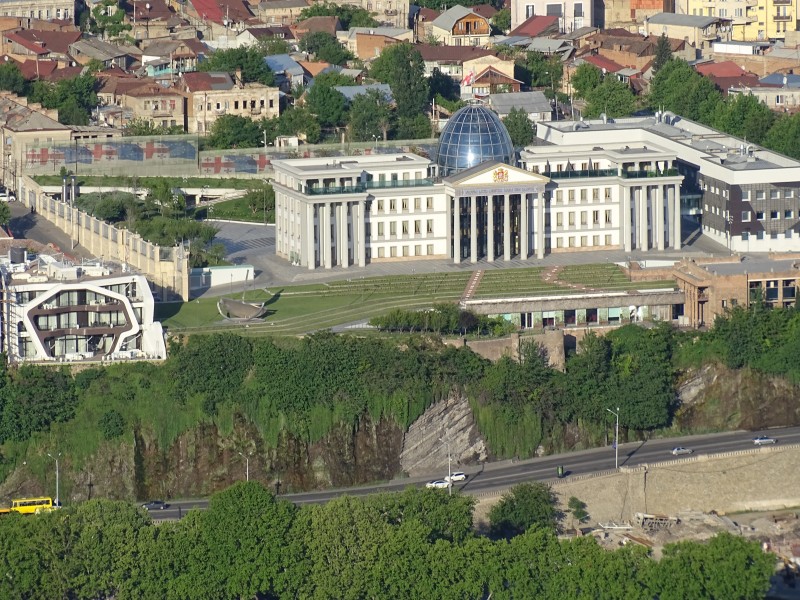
(331, 409)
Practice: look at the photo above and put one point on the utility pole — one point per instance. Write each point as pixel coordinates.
(449, 465)
(246, 466)
(616, 438)
(55, 458)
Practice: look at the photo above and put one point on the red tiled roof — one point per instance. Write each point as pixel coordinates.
(65, 73)
(313, 68)
(218, 10)
(428, 14)
(536, 25)
(314, 24)
(746, 80)
(721, 69)
(487, 11)
(37, 69)
(148, 11)
(601, 62)
(200, 81)
(42, 42)
(451, 53)
(488, 71)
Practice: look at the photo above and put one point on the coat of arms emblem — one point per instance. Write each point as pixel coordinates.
(500, 176)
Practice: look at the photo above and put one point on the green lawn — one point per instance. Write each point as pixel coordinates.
(142, 182)
(237, 210)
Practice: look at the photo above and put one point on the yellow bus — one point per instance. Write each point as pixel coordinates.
(29, 506)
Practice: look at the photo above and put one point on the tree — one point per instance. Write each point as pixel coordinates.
(519, 126)
(327, 105)
(325, 47)
(540, 71)
(234, 131)
(143, 127)
(74, 98)
(108, 20)
(502, 20)
(526, 505)
(706, 571)
(677, 87)
(611, 97)
(270, 46)
(401, 66)
(112, 424)
(663, 53)
(784, 136)
(414, 128)
(247, 58)
(744, 116)
(261, 199)
(350, 16)
(370, 116)
(5, 214)
(578, 509)
(11, 78)
(586, 78)
(442, 85)
(299, 121)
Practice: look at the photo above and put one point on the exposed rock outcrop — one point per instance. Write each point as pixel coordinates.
(425, 443)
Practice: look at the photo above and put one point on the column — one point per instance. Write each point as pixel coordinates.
(360, 234)
(540, 225)
(524, 234)
(473, 229)
(490, 228)
(325, 236)
(311, 239)
(448, 225)
(506, 227)
(456, 229)
(641, 218)
(659, 217)
(626, 218)
(675, 197)
(341, 235)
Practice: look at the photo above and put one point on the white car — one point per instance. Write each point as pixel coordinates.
(681, 450)
(438, 484)
(457, 476)
(764, 440)
(6, 196)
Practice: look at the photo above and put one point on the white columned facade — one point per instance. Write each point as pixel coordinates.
(490, 228)
(457, 229)
(659, 226)
(325, 236)
(627, 197)
(311, 238)
(341, 235)
(674, 195)
(641, 217)
(524, 234)
(360, 234)
(506, 227)
(540, 225)
(473, 229)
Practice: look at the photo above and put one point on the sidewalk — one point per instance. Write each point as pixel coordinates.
(30, 226)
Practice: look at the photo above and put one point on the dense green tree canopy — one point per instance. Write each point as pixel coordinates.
(325, 47)
(585, 79)
(234, 131)
(11, 79)
(520, 128)
(371, 116)
(663, 53)
(349, 15)
(247, 58)
(401, 66)
(327, 105)
(526, 505)
(74, 98)
(611, 97)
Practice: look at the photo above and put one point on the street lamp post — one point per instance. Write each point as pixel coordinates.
(55, 458)
(449, 466)
(616, 438)
(246, 465)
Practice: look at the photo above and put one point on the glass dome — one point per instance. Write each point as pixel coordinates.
(474, 134)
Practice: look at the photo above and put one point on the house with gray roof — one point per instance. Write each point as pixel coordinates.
(535, 104)
(461, 26)
(288, 72)
(351, 91)
(699, 31)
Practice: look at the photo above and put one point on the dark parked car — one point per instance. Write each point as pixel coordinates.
(155, 505)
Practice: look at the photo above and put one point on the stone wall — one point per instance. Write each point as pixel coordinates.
(754, 479)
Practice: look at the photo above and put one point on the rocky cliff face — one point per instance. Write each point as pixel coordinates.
(717, 398)
(425, 444)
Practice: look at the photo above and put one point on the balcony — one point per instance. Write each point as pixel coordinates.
(779, 18)
(578, 174)
(219, 111)
(646, 173)
(360, 188)
(255, 110)
(162, 112)
(389, 12)
(782, 2)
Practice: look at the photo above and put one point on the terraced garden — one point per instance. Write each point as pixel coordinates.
(298, 309)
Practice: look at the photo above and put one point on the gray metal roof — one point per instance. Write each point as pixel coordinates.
(530, 102)
(351, 91)
(777, 79)
(448, 18)
(682, 20)
(283, 63)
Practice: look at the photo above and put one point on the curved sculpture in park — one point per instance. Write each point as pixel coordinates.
(237, 309)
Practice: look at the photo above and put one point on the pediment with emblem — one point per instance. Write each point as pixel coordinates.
(495, 173)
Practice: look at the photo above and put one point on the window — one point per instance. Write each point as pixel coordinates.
(429, 203)
(595, 217)
(759, 215)
(745, 216)
(430, 249)
(788, 234)
(584, 218)
(393, 228)
(608, 194)
(773, 214)
(380, 205)
(595, 240)
(578, 9)
(572, 241)
(788, 214)
(559, 195)
(559, 219)
(745, 236)
(608, 217)
(745, 194)
(417, 227)
(554, 10)
(584, 194)
(584, 241)
(608, 240)
(529, 11)
(774, 194)
(418, 250)
(404, 224)
(405, 204)
(788, 194)
(393, 251)
(380, 229)
(392, 205)
(430, 226)
(405, 250)
(572, 195)
(779, 99)
(596, 194)
(760, 195)
(417, 203)
(381, 252)
(559, 242)
(571, 219)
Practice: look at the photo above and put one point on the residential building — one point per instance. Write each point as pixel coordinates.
(213, 94)
(40, 44)
(163, 107)
(460, 62)
(55, 311)
(627, 13)
(536, 26)
(753, 20)
(329, 25)
(488, 81)
(461, 26)
(535, 104)
(366, 42)
(727, 74)
(633, 50)
(109, 55)
(389, 13)
(742, 196)
(778, 92)
(252, 35)
(150, 20)
(280, 12)
(288, 72)
(572, 14)
(170, 57)
(698, 31)
(41, 9)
